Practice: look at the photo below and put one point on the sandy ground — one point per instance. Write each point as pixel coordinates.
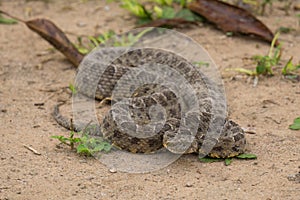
(30, 75)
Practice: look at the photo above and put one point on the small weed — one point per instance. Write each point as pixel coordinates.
(227, 161)
(70, 141)
(84, 144)
(264, 63)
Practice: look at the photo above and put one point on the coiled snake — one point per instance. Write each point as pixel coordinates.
(159, 100)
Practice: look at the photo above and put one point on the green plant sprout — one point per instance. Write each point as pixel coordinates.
(84, 144)
(265, 63)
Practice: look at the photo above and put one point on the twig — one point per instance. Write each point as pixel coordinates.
(32, 149)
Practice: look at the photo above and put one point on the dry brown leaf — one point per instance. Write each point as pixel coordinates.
(54, 35)
(231, 18)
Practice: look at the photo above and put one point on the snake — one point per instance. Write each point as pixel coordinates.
(159, 100)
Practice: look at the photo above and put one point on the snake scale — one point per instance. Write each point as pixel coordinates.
(160, 100)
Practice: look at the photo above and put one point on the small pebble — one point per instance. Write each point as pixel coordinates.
(112, 170)
(189, 185)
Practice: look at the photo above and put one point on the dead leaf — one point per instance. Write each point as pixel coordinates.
(175, 22)
(230, 18)
(54, 35)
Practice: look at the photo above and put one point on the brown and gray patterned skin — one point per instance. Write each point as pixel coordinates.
(153, 108)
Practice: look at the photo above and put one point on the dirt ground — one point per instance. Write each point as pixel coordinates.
(33, 79)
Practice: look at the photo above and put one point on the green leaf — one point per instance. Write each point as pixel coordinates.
(60, 138)
(210, 160)
(168, 2)
(76, 140)
(168, 12)
(4, 20)
(228, 161)
(296, 124)
(135, 8)
(94, 41)
(187, 15)
(102, 38)
(264, 65)
(158, 11)
(82, 149)
(247, 156)
(83, 50)
(261, 68)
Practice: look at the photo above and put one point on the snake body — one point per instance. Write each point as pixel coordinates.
(153, 108)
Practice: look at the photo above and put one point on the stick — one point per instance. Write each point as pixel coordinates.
(32, 149)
